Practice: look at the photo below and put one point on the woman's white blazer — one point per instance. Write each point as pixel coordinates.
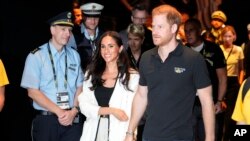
(121, 98)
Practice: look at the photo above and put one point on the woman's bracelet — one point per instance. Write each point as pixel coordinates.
(130, 133)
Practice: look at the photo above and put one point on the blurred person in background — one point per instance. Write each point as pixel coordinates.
(241, 112)
(235, 74)
(216, 65)
(3, 82)
(136, 37)
(86, 41)
(218, 19)
(246, 49)
(139, 16)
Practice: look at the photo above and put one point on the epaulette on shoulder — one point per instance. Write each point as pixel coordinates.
(74, 48)
(35, 50)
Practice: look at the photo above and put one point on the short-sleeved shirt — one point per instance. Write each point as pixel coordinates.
(232, 59)
(38, 72)
(172, 87)
(241, 111)
(3, 76)
(215, 59)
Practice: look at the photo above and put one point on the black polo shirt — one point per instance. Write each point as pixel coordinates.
(215, 59)
(172, 86)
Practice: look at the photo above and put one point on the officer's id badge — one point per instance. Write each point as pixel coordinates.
(63, 100)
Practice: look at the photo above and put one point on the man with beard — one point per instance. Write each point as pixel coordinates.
(171, 75)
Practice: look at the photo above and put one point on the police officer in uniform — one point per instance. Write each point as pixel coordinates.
(53, 78)
(85, 42)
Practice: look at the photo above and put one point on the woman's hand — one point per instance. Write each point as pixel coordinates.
(119, 114)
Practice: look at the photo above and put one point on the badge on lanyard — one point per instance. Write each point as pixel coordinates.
(62, 97)
(63, 100)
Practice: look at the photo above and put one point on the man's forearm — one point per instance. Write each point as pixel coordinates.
(43, 101)
(209, 120)
(138, 109)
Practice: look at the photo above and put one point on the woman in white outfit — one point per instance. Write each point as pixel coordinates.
(108, 91)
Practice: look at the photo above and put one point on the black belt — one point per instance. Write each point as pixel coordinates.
(79, 118)
(46, 113)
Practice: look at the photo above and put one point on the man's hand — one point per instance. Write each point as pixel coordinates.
(67, 117)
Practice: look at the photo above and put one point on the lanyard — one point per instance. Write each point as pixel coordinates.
(54, 71)
(229, 53)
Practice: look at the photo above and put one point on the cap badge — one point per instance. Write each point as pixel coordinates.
(69, 15)
(93, 7)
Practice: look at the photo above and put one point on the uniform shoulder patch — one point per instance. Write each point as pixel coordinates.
(35, 50)
(74, 48)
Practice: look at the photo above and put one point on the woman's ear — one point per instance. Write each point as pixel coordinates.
(235, 37)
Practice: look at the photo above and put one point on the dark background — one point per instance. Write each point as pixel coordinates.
(23, 28)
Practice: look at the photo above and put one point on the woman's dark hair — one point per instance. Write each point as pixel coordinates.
(96, 68)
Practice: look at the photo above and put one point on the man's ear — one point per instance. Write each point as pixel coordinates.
(143, 40)
(132, 18)
(52, 30)
(174, 28)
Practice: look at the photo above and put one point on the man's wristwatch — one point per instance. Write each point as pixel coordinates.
(77, 108)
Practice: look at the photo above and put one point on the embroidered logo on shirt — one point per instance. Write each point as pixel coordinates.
(210, 61)
(179, 70)
(208, 54)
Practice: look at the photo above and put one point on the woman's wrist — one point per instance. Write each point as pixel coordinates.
(130, 133)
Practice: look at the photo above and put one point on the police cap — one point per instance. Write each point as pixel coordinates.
(219, 15)
(92, 9)
(62, 19)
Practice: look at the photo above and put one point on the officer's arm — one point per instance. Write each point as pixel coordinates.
(44, 102)
(76, 104)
